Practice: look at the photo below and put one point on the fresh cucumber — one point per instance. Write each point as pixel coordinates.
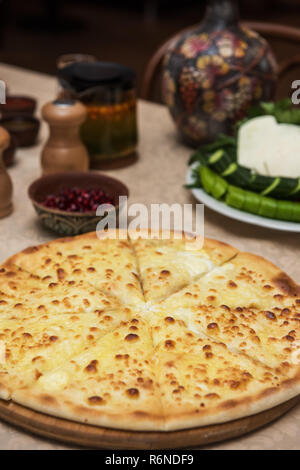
(268, 207)
(248, 201)
(212, 183)
(207, 178)
(252, 202)
(235, 197)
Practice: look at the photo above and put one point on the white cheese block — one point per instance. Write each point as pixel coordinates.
(269, 148)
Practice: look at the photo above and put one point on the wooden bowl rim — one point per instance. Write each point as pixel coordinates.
(27, 98)
(20, 117)
(33, 186)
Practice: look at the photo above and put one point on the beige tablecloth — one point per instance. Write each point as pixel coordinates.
(157, 177)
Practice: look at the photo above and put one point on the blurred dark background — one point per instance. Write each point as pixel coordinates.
(34, 33)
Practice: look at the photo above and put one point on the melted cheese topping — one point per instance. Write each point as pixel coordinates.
(141, 335)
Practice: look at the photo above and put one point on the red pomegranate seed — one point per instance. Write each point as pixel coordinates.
(77, 200)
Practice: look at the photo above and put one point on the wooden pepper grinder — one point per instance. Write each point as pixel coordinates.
(6, 187)
(64, 150)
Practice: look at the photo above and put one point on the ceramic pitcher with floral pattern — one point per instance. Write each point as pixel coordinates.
(213, 73)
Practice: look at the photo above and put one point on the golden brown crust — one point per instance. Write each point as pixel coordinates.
(230, 410)
(268, 272)
(60, 405)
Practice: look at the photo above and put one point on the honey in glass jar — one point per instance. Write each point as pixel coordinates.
(109, 94)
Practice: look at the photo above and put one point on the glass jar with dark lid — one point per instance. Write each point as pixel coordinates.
(109, 94)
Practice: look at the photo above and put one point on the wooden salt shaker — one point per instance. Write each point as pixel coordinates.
(6, 187)
(64, 150)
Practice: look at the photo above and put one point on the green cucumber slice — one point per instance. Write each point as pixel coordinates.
(231, 169)
(272, 186)
(284, 210)
(252, 202)
(296, 189)
(208, 178)
(268, 207)
(296, 212)
(215, 156)
(241, 177)
(235, 197)
(219, 188)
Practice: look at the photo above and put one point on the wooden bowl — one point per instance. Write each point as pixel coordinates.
(72, 223)
(24, 128)
(18, 105)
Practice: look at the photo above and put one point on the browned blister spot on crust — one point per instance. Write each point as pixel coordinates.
(284, 283)
(231, 284)
(10, 274)
(289, 338)
(92, 366)
(132, 393)
(30, 250)
(212, 326)
(228, 404)
(96, 400)
(169, 344)
(169, 320)
(270, 315)
(165, 273)
(131, 337)
(27, 335)
(212, 396)
(225, 307)
(133, 328)
(208, 355)
(37, 374)
(61, 274)
(47, 399)
(37, 358)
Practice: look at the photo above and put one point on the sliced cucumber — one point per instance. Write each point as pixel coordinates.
(215, 156)
(296, 212)
(208, 178)
(252, 202)
(230, 170)
(284, 210)
(219, 188)
(268, 207)
(272, 187)
(248, 201)
(235, 197)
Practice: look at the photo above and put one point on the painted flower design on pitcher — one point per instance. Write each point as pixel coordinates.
(194, 45)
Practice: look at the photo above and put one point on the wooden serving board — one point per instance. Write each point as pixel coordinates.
(105, 438)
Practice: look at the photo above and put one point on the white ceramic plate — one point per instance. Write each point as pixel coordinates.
(228, 211)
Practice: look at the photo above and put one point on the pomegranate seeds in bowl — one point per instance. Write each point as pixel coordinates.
(66, 203)
(77, 200)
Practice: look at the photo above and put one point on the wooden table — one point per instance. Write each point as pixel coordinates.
(157, 177)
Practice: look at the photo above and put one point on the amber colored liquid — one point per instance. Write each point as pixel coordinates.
(110, 131)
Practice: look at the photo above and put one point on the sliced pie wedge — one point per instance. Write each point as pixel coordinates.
(245, 281)
(204, 382)
(167, 265)
(22, 293)
(272, 337)
(111, 384)
(33, 345)
(107, 264)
